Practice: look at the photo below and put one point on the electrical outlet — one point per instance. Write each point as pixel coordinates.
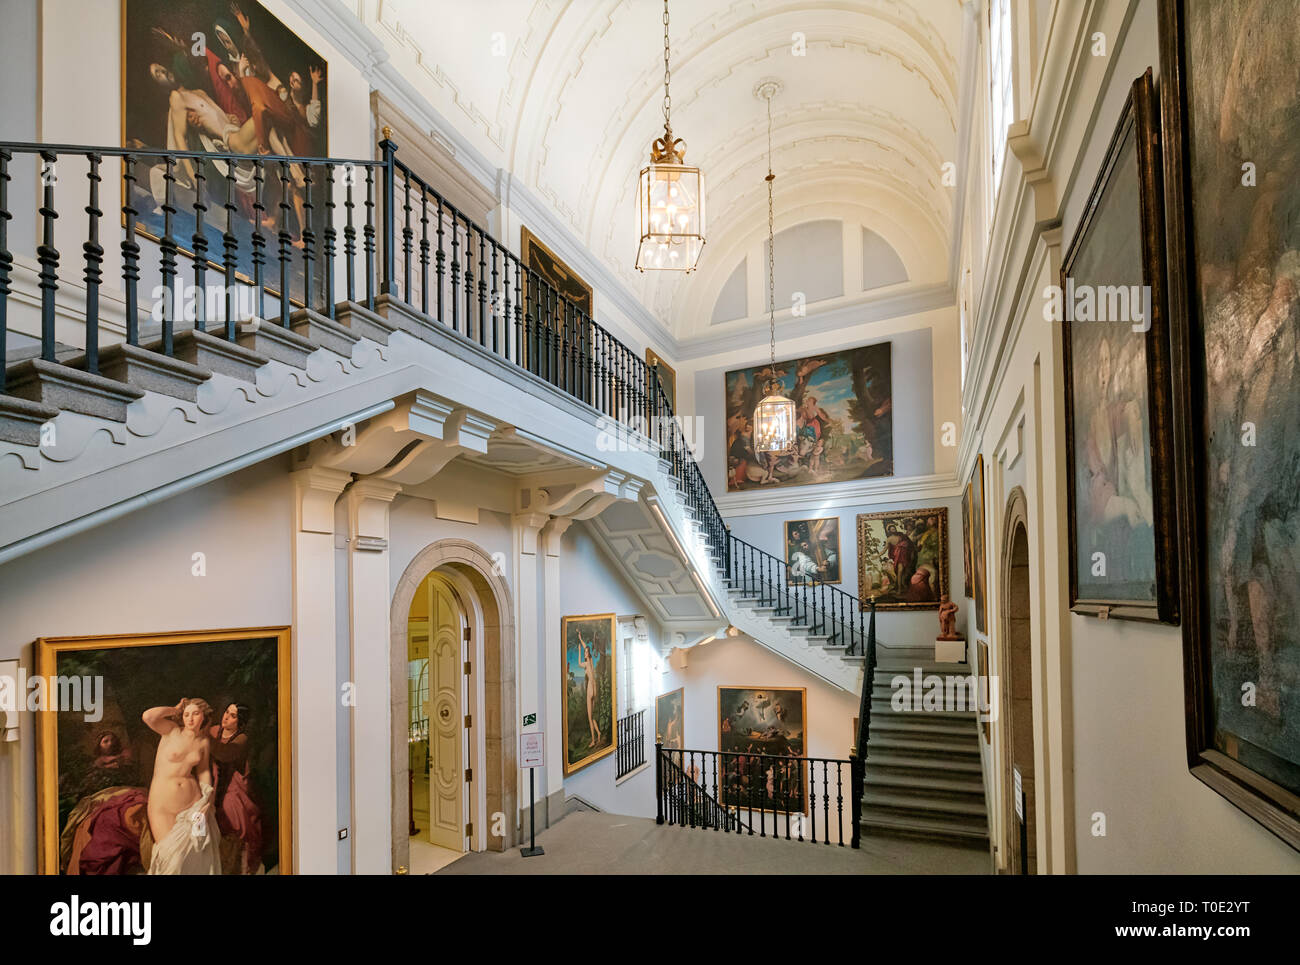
(343, 834)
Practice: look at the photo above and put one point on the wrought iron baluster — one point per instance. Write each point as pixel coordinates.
(455, 271)
(286, 240)
(469, 282)
(331, 236)
(229, 248)
(349, 232)
(259, 239)
(308, 238)
(6, 261)
(424, 249)
(496, 301)
(407, 235)
(368, 239)
(130, 251)
(94, 273)
(439, 258)
(482, 292)
(199, 244)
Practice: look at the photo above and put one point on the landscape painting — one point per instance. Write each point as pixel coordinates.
(670, 719)
(1117, 394)
(187, 768)
(224, 77)
(756, 724)
(1232, 182)
(903, 558)
(812, 550)
(589, 698)
(845, 424)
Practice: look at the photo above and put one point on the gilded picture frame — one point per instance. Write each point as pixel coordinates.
(903, 558)
(590, 694)
(109, 774)
(1117, 403)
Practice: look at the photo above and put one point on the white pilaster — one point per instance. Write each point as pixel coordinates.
(529, 618)
(315, 684)
(553, 652)
(368, 604)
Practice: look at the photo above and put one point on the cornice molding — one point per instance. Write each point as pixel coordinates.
(913, 300)
(857, 492)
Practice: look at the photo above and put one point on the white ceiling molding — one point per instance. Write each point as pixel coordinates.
(872, 307)
(855, 492)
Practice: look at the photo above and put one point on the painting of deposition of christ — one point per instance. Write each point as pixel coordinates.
(1117, 383)
(903, 558)
(845, 426)
(224, 77)
(756, 727)
(1232, 182)
(589, 698)
(186, 768)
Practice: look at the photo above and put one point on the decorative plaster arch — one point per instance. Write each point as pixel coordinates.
(490, 612)
(1016, 631)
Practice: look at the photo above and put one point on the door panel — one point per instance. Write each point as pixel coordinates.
(446, 758)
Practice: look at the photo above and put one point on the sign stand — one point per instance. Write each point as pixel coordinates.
(531, 755)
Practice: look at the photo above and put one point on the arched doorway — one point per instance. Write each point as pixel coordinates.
(470, 584)
(1015, 668)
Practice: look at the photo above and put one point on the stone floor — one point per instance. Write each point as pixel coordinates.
(599, 843)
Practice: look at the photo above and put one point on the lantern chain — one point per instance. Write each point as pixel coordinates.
(771, 241)
(668, 100)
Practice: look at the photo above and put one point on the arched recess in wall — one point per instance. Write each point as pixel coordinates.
(1015, 662)
(490, 612)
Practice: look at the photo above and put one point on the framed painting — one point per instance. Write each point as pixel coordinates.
(845, 426)
(903, 558)
(670, 718)
(984, 676)
(965, 541)
(770, 721)
(225, 78)
(974, 504)
(812, 550)
(1233, 234)
(1117, 405)
(589, 711)
(550, 269)
(182, 763)
(667, 377)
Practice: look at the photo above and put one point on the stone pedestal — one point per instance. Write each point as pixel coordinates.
(950, 651)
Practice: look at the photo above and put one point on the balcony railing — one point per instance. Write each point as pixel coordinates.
(631, 743)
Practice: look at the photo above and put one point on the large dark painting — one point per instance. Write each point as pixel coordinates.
(845, 419)
(903, 558)
(812, 550)
(225, 78)
(186, 768)
(1117, 382)
(555, 273)
(756, 727)
(1231, 100)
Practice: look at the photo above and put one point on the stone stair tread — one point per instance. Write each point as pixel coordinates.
(923, 782)
(950, 745)
(882, 707)
(873, 798)
(957, 827)
(903, 723)
(882, 758)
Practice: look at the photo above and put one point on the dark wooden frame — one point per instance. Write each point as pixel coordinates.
(1273, 806)
(1140, 119)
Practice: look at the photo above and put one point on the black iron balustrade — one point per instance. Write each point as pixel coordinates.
(631, 743)
(768, 795)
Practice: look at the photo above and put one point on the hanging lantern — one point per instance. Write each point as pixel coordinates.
(669, 198)
(774, 421)
(775, 417)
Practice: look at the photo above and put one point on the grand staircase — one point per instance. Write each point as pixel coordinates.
(297, 369)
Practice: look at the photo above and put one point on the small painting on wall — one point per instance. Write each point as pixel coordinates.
(184, 765)
(965, 541)
(903, 558)
(540, 260)
(589, 711)
(670, 718)
(845, 426)
(984, 686)
(769, 721)
(812, 550)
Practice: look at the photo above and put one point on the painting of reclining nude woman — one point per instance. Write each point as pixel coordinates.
(225, 78)
(184, 768)
(845, 426)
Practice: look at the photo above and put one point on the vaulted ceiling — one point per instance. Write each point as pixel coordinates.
(567, 94)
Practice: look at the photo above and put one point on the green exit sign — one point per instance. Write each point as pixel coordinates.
(530, 719)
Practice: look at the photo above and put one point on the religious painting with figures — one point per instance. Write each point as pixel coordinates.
(186, 768)
(222, 77)
(670, 718)
(812, 550)
(589, 697)
(1234, 107)
(845, 427)
(903, 558)
(756, 727)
